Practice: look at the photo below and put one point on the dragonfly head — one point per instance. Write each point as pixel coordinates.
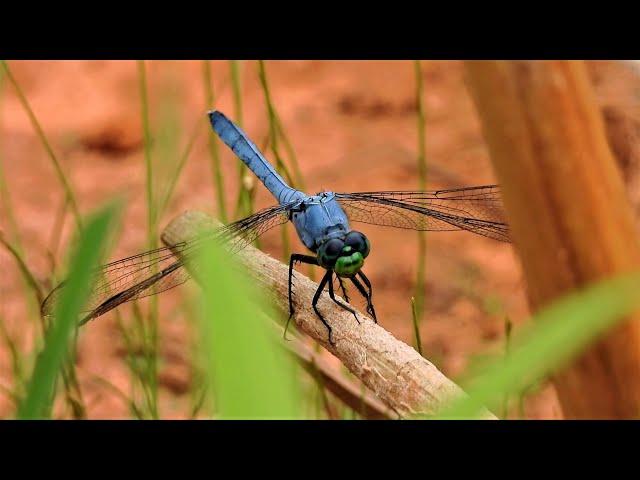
(344, 255)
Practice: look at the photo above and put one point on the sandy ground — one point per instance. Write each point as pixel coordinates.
(353, 127)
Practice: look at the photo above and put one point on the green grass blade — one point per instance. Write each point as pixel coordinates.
(214, 153)
(555, 335)
(234, 68)
(28, 276)
(252, 377)
(16, 358)
(150, 340)
(169, 157)
(6, 205)
(293, 158)
(274, 133)
(66, 185)
(86, 256)
(175, 176)
(56, 234)
(274, 136)
(148, 163)
(244, 201)
(5, 196)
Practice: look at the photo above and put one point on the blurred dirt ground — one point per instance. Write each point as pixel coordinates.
(353, 127)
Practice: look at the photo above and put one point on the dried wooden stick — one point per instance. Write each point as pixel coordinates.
(365, 403)
(406, 382)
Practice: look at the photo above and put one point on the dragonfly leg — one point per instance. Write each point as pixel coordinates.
(316, 297)
(366, 294)
(344, 290)
(295, 257)
(338, 302)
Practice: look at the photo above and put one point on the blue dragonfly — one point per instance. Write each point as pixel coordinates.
(322, 222)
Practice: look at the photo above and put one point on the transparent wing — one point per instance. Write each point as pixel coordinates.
(475, 209)
(156, 271)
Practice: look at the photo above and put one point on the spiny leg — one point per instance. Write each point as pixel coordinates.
(367, 282)
(344, 290)
(366, 294)
(295, 257)
(338, 302)
(316, 297)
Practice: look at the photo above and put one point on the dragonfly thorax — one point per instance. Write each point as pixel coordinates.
(318, 218)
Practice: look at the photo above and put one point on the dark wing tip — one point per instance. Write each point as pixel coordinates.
(47, 305)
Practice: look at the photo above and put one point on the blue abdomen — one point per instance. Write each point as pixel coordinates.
(246, 150)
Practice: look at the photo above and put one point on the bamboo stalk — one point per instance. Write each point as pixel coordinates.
(570, 219)
(406, 382)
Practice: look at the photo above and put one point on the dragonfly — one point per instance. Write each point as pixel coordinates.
(322, 222)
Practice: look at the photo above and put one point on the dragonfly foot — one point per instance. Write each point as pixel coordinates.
(372, 312)
(326, 324)
(344, 289)
(326, 279)
(331, 342)
(286, 327)
(342, 305)
(366, 294)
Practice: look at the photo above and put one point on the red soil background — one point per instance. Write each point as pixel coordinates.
(353, 127)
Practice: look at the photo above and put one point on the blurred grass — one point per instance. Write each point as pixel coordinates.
(86, 257)
(416, 326)
(508, 328)
(18, 367)
(553, 337)
(138, 337)
(14, 243)
(28, 276)
(251, 376)
(276, 134)
(236, 84)
(214, 153)
(17, 363)
(164, 164)
(246, 180)
(56, 235)
(281, 167)
(148, 163)
(177, 173)
(66, 185)
(71, 387)
(148, 334)
(421, 282)
(5, 195)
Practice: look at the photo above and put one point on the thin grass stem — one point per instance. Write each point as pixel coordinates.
(416, 326)
(214, 153)
(422, 185)
(150, 340)
(66, 185)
